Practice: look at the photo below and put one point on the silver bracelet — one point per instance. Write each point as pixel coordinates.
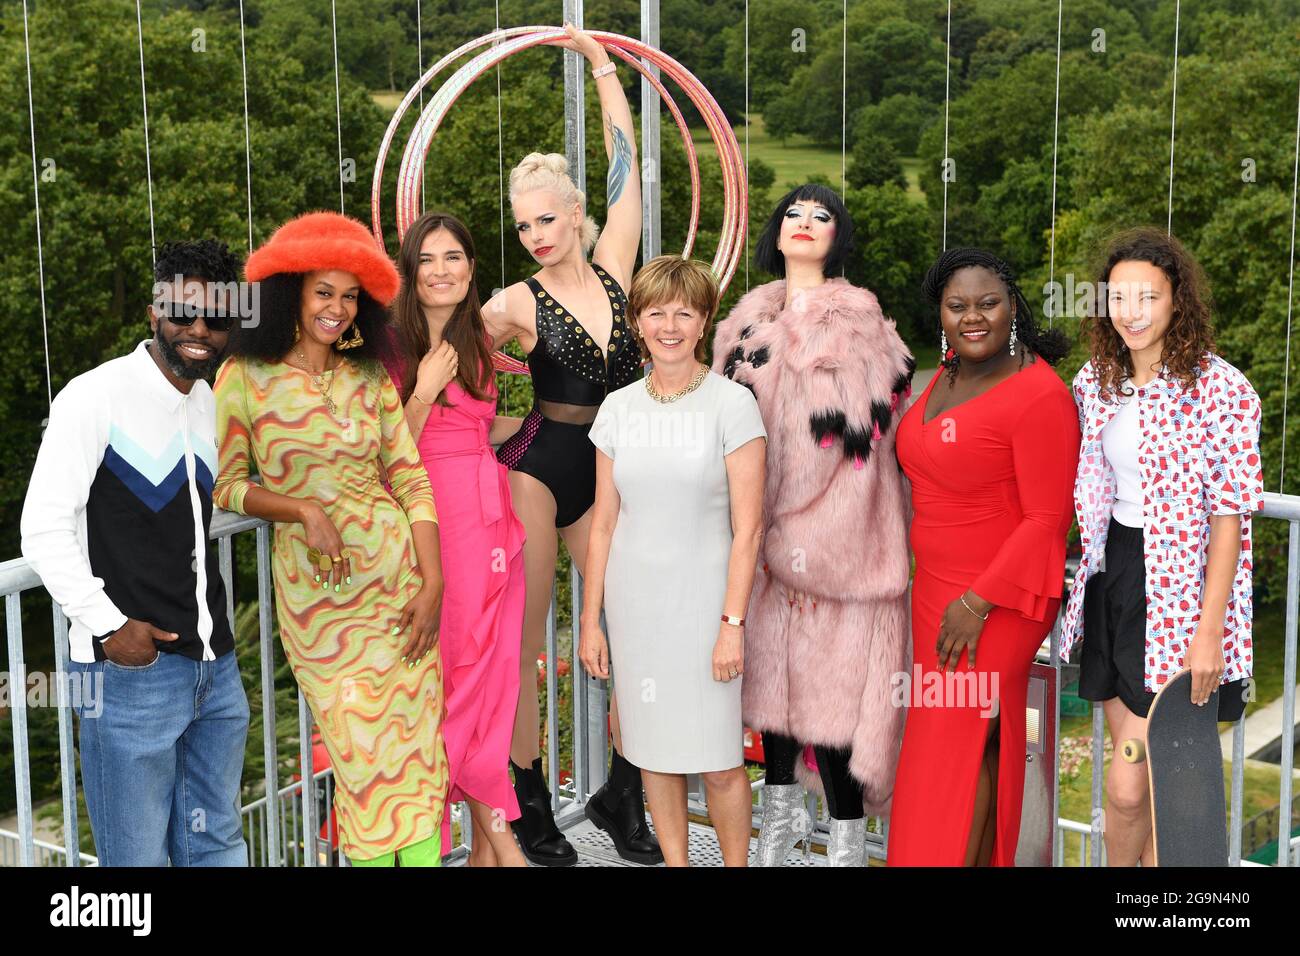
(982, 617)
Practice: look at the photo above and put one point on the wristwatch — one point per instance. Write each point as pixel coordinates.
(735, 621)
(599, 71)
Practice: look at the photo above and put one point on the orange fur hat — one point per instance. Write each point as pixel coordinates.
(327, 240)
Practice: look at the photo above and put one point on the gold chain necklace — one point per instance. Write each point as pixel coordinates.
(695, 383)
(318, 379)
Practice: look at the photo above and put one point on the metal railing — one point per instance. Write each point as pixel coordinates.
(292, 835)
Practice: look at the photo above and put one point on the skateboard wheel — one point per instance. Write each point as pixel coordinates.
(1134, 751)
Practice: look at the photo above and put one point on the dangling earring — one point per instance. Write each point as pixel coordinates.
(351, 341)
(1013, 334)
(943, 348)
(297, 333)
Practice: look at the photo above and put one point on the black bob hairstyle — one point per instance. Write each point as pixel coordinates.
(770, 259)
(279, 307)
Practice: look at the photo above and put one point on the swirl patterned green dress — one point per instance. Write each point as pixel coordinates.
(379, 720)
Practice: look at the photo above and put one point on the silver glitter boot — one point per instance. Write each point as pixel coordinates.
(785, 823)
(847, 844)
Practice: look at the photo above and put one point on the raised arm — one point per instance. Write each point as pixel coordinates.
(621, 235)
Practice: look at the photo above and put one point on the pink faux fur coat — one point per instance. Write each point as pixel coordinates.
(832, 379)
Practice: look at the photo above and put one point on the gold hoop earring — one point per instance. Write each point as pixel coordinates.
(350, 342)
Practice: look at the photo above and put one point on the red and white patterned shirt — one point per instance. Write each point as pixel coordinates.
(1198, 456)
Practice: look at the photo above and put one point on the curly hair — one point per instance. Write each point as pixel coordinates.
(1051, 346)
(197, 259)
(1190, 337)
(279, 308)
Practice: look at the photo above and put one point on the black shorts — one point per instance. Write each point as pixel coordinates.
(1113, 660)
(560, 456)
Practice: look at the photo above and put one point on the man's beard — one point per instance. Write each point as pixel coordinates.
(183, 367)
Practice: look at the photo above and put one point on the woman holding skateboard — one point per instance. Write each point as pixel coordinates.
(1169, 473)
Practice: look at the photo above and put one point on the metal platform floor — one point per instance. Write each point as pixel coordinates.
(595, 848)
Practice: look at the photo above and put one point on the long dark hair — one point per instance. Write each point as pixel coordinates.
(1190, 336)
(279, 307)
(1051, 346)
(465, 330)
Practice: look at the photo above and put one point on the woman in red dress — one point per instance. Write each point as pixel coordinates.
(991, 449)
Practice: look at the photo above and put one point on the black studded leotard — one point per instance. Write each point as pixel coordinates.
(569, 369)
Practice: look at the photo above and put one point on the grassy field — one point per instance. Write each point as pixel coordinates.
(795, 159)
(387, 100)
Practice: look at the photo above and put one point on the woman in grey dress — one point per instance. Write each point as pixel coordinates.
(673, 549)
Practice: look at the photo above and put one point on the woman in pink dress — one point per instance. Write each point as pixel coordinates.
(442, 367)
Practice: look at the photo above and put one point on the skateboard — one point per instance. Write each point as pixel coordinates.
(1185, 771)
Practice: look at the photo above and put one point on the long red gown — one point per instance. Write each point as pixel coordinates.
(992, 482)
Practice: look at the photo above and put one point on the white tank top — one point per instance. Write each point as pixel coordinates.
(1120, 440)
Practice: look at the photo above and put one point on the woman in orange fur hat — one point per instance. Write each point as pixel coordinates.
(358, 582)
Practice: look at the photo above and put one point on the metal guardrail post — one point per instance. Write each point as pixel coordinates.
(1288, 693)
(596, 729)
(1238, 780)
(67, 748)
(270, 754)
(1098, 773)
(307, 771)
(18, 714)
(553, 703)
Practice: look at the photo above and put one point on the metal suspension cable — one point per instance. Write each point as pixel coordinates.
(36, 192)
(1173, 121)
(844, 99)
(338, 107)
(501, 162)
(1290, 289)
(947, 70)
(144, 107)
(248, 149)
(1056, 130)
(419, 66)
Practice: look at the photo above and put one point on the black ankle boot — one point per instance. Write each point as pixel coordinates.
(618, 808)
(539, 838)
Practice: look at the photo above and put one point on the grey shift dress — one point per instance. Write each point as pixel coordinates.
(666, 579)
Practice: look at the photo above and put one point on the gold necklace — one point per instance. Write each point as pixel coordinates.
(318, 379)
(695, 383)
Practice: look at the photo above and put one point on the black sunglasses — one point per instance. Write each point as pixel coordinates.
(215, 321)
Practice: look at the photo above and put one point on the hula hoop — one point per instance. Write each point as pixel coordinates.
(506, 43)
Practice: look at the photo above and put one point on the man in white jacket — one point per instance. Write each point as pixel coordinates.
(116, 524)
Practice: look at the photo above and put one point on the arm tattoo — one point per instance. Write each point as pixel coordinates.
(620, 164)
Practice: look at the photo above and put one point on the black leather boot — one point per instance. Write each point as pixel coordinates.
(539, 838)
(618, 808)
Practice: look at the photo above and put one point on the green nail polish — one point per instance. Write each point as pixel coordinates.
(336, 589)
(396, 628)
(318, 579)
(348, 580)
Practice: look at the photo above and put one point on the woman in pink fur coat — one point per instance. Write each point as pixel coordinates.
(828, 619)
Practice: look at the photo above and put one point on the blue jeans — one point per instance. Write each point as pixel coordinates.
(162, 753)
